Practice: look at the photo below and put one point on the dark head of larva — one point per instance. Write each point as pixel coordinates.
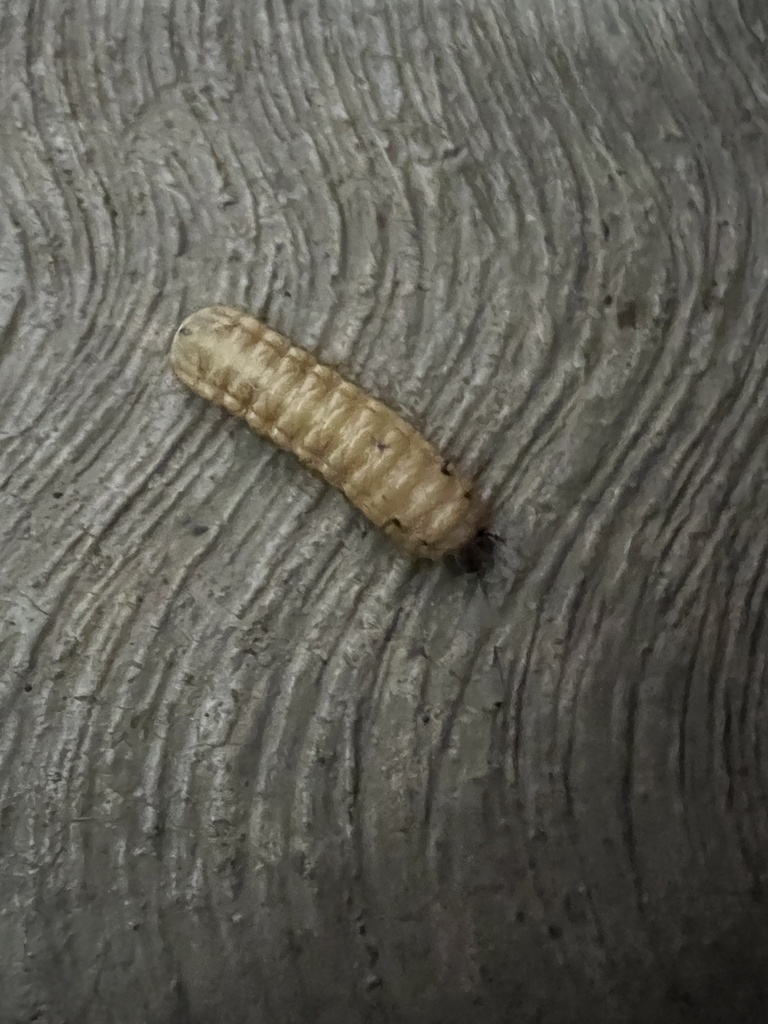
(476, 557)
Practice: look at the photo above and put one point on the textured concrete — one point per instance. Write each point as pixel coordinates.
(254, 769)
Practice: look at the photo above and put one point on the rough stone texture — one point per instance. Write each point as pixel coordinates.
(253, 767)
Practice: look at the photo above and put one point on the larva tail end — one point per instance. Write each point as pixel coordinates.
(196, 333)
(206, 321)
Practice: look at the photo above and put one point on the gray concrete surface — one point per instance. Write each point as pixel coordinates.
(254, 769)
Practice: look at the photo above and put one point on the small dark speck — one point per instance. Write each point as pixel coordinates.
(381, 220)
(198, 531)
(606, 230)
(446, 470)
(555, 931)
(185, 330)
(426, 719)
(58, 494)
(27, 687)
(287, 294)
(628, 315)
(520, 917)
(608, 300)
(381, 446)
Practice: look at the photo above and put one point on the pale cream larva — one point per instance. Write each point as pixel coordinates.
(383, 466)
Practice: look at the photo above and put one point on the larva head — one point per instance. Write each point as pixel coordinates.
(477, 556)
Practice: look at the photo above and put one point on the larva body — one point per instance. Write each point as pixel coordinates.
(383, 466)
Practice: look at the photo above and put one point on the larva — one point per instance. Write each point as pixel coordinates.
(382, 464)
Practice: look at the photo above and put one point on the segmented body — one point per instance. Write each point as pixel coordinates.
(358, 444)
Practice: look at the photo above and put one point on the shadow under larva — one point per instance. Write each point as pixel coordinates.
(386, 469)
